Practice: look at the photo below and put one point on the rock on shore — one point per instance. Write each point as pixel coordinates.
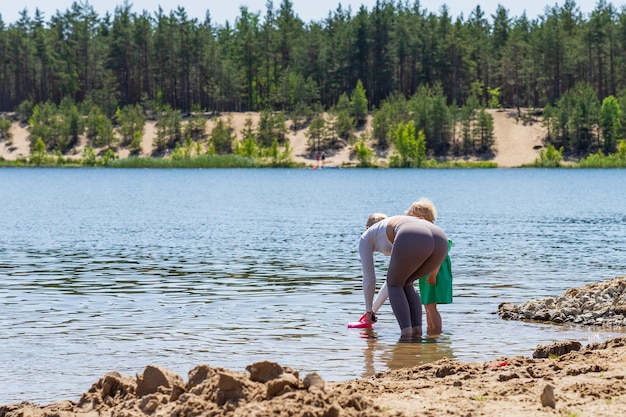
(601, 304)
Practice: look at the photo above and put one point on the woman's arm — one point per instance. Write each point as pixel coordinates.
(369, 274)
(383, 294)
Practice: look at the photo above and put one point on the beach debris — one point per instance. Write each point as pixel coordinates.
(547, 397)
(601, 304)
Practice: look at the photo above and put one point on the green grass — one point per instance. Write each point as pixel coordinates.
(217, 161)
(204, 161)
(609, 161)
(236, 161)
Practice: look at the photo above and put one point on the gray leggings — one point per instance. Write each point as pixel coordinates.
(419, 248)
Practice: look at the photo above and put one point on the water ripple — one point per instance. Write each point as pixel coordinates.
(117, 269)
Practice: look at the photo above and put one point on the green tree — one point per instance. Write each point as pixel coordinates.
(196, 125)
(89, 157)
(580, 107)
(494, 98)
(108, 156)
(135, 145)
(169, 130)
(246, 43)
(121, 53)
(358, 104)
(467, 120)
(5, 128)
(24, 111)
(479, 28)
(105, 136)
(363, 154)
(441, 118)
(248, 146)
(317, 135)
(392, 111)
(550, 157)
(183, 151)
(382, 63)
(100, 129)
(271, 126)
(484, 131)
(278, 157)
(610, 123)
(516, 68)
(410, 147)
(344, 124)
(38, 154)
(431, 115)
(293, 90)
(222, 137)
(131, 122)
(68, 125)
(42, 123)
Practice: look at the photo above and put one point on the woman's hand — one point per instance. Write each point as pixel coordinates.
(371, 317)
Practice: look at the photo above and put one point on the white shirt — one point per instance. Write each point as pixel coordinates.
(373, 240)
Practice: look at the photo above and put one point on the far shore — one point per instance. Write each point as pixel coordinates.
(517, 143)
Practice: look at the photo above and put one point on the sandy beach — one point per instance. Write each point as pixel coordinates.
(571, 381)
(517, 143)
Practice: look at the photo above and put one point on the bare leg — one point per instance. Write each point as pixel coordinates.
(433, 320)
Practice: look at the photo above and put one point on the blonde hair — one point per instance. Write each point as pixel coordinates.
(374, 218)
(424, 209)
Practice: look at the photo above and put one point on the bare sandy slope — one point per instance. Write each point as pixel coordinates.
(516, 143)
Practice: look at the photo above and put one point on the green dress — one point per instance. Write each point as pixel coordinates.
(441, 293)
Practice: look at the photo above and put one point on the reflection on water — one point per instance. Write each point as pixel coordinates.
(107, 270)
(402, 354)
(415, 353)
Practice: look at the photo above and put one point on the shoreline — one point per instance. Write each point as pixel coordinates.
(559, 379)
(566, 379)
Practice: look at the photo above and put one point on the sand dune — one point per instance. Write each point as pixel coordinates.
(517, 143)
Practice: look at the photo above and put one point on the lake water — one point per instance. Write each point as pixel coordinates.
(104, 269)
